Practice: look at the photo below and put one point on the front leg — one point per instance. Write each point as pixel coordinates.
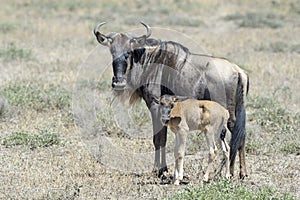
(159, 141)
(179, 156)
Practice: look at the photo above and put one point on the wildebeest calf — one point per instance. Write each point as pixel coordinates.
(182, 114)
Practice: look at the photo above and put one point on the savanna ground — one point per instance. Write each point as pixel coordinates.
(51, 75)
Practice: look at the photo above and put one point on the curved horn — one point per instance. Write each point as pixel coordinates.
(149, 31)
(96, 29)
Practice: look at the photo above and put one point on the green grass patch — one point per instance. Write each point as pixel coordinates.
(44, 138)
(230, 191)
(184, 21)
(279, 127)
(69, 5)
(6, 27)
(272, 117)
(52, 97)
(140, 114)
(295, 8)
(108, 123)
(295, 48)
(291, 148)
(256, 20)
(12, 52)
(279, 47)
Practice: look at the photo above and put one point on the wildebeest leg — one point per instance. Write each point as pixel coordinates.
(179, 156)
(159, 141)
(230, 126)
(232, 161)
(243, 172)
(163, 141)
(212, 153)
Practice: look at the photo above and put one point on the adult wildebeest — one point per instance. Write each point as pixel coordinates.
(144, 67)
(183, 114)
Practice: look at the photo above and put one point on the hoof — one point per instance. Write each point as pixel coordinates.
(243, 176)
(205, 180)
(228, 176)
(162, 172)
(176, 182)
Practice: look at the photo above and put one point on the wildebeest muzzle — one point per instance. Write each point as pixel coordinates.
(119, 79)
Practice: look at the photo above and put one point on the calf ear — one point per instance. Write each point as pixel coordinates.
(181, 98)
(102, 39)
(176, 111)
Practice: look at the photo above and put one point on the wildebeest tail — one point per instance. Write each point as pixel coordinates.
(239, 133)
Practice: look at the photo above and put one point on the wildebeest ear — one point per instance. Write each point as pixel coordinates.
(137, 42)
(102, 39)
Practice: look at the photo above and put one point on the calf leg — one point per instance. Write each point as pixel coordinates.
(179, 156)
(212, 154)
(226, 151)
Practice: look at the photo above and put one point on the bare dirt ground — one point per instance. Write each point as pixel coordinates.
(262, 37)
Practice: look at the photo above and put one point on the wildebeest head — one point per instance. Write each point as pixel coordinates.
(121, 46)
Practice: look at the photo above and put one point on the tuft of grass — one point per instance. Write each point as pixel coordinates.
(44, 138)
(108, 123)
(272, 117)
(53, 97)
(279, 126)
(12, 52)
(184, 21)
(295, 48)
(54, 6)
(256, 20)
(4, 107)
(279, 47)
(103, 85)
(227, 190)
(295, 8)
(291, 148)
(140, 114)
(71, 191)
(72, 5)
(6, 27)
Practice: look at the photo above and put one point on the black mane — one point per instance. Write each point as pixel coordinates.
(170, 53)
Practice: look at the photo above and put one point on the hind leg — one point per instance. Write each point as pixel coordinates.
(243, 172)
(232, 161)
(226, 151)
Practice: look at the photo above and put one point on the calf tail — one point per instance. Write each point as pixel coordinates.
(239, 133)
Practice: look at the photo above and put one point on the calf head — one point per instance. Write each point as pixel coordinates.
(121, 45)
(166, 103)
(167, 109)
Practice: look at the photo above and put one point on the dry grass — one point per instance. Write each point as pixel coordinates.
(48, 57)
